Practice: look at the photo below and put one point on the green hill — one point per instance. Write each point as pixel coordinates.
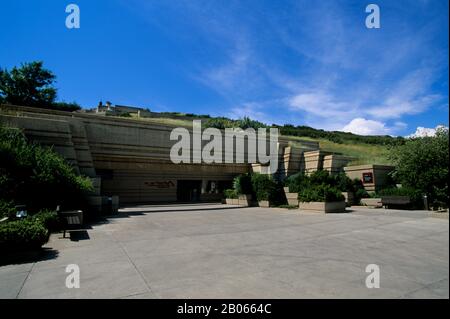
(364, 149)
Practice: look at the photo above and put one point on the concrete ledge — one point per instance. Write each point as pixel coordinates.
(443, 215)
(263, 203)
(323, 207)
(372, 202)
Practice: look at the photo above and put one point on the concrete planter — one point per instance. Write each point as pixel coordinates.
(323, 207)
(264, 203)
(244, 200)
(349, 198)
(292, 198)
(372, 202)
(235, 201)
(229, 201)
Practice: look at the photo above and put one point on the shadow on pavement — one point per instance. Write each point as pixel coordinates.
(28, 256)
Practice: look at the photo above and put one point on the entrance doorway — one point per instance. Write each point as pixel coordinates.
(189, 190)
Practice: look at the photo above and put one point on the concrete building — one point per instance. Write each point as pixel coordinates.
(374, 177)
(130, 157)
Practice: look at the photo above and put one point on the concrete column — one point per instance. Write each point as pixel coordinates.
(204, 185)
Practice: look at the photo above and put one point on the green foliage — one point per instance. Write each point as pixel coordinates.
(49, 219)
(320, 193)
(337, 136)
(66, 106)
(422, 164)
(297, 182)
(230, 193)
(7, 209)
(359, 190)
(127, 114)
(242, 184)
(37, 176)
(31, 85)
(264, 187)
(223, 122)
(28, 85)
(320, 186)
(23, 234)
(344, 183)
(321, 177)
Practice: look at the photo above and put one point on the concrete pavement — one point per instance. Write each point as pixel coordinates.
(221, 251)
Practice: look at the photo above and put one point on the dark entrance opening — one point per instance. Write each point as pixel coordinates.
(188, 190)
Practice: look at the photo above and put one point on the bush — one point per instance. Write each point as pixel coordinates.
(422, 163)
(37, 176)
(49, 219)
(322, 177)
(320, 193)
(23, 234)
(230, 193)
(297, 182)
(264, 187)
(343, 183)
(7, 209)
(360, 191)
(242, 184)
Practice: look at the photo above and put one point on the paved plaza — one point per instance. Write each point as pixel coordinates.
(220, 251)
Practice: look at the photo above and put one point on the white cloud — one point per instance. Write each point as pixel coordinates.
(424, 131)
(320, 104)
(366, 127)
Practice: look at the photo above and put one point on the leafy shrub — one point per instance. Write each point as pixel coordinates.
(35, 175)
(359, 190)
(343, 182)
(7, 209)
(49, 219)
(264, 187)
(422, 163)
(23, 234)
(320, 193)
(297, 182)
(322, 177)
(230, 193)
(242, 184)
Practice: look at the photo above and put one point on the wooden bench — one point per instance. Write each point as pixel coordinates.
(71, 219)
(387, 201)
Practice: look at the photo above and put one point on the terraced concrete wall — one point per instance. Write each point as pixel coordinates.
(130, 156)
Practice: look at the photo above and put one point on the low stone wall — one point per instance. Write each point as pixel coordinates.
(323, 207)
(372, 202)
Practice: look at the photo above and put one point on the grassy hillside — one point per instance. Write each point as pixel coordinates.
(363, 153)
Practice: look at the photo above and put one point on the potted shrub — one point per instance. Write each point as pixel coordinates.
(293, 184)
(265, 189)
(231, 197)
(321, 198)
(242, 185)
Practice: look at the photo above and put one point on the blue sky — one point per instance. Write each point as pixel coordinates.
(299, 62)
